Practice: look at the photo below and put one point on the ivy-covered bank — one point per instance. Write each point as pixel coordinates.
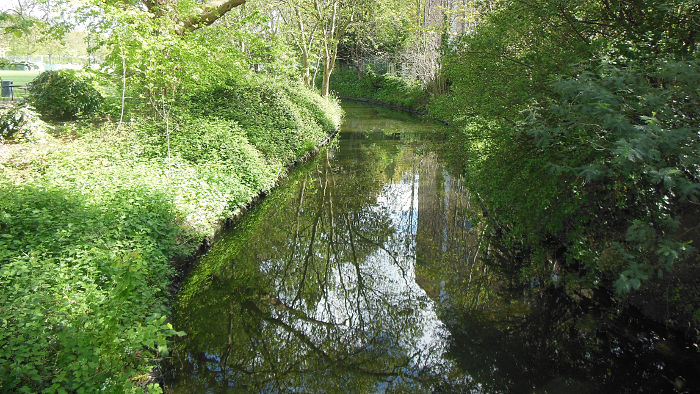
(381, 88)
(92, 219)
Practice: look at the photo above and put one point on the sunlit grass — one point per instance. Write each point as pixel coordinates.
(18, 78)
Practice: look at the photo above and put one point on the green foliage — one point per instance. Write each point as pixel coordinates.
(90, 225)
(576, 124)
(324, 111)
(631, 145)
(84, 277)
(507, 63)
(222, 155)
(64, 95)
(283, 121)
(19, 123)
(383, 29)
(161, 66)
(384, 88)
(16, 25)
(89, 229)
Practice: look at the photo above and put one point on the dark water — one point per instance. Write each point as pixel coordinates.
(366, 271)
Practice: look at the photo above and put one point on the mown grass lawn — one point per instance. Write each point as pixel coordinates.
(19, 78)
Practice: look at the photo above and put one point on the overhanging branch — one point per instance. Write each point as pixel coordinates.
(207, 14)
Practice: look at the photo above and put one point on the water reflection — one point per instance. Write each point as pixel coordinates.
(367, 272)
(316, 289)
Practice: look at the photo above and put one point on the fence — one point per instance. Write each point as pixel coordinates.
(54, 62)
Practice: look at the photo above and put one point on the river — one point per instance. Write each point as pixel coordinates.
(367, 271)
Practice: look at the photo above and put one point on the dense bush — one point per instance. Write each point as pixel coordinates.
(384, 88)
(601, 180)
(581, 138)
(629, 150)
(20, 123)
(326, 112)
(280, 120)
(64, 95)
(216, 147)
(83, 280)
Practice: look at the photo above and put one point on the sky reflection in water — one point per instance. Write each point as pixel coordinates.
(363, 273)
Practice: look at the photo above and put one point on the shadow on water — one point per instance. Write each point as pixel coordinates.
(366, 272)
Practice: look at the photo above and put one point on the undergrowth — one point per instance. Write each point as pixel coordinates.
(382, 88)
(90, 226)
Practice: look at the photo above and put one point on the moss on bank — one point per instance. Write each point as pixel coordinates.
(90, 224)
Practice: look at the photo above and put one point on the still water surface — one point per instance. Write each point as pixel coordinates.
(365, 272)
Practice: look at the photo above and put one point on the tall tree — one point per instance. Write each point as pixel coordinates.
(303, 29)
(334, 17)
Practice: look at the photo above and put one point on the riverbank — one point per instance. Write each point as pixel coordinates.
(381, 89)
(386, 90)
(534, 236)
(323, 237)
(92, 219)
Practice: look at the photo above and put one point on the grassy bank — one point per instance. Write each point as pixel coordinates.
(91, 220)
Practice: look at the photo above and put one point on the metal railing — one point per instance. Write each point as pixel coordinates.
(7, 90)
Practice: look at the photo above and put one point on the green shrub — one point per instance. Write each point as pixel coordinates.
(602, 176)
(642, 168)
(82, 283)
(278, 121)
(64, 95)
(20, 123)
(212, 143)
(384, 88)
(346, 82)
(325, 111)
(89, 229)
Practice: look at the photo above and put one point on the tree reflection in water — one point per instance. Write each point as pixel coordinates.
(341, 279)
(315, 289)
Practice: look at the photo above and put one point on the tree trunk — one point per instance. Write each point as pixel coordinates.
(305, 74)
(318, 65)
(418, 13)
(327, 70)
